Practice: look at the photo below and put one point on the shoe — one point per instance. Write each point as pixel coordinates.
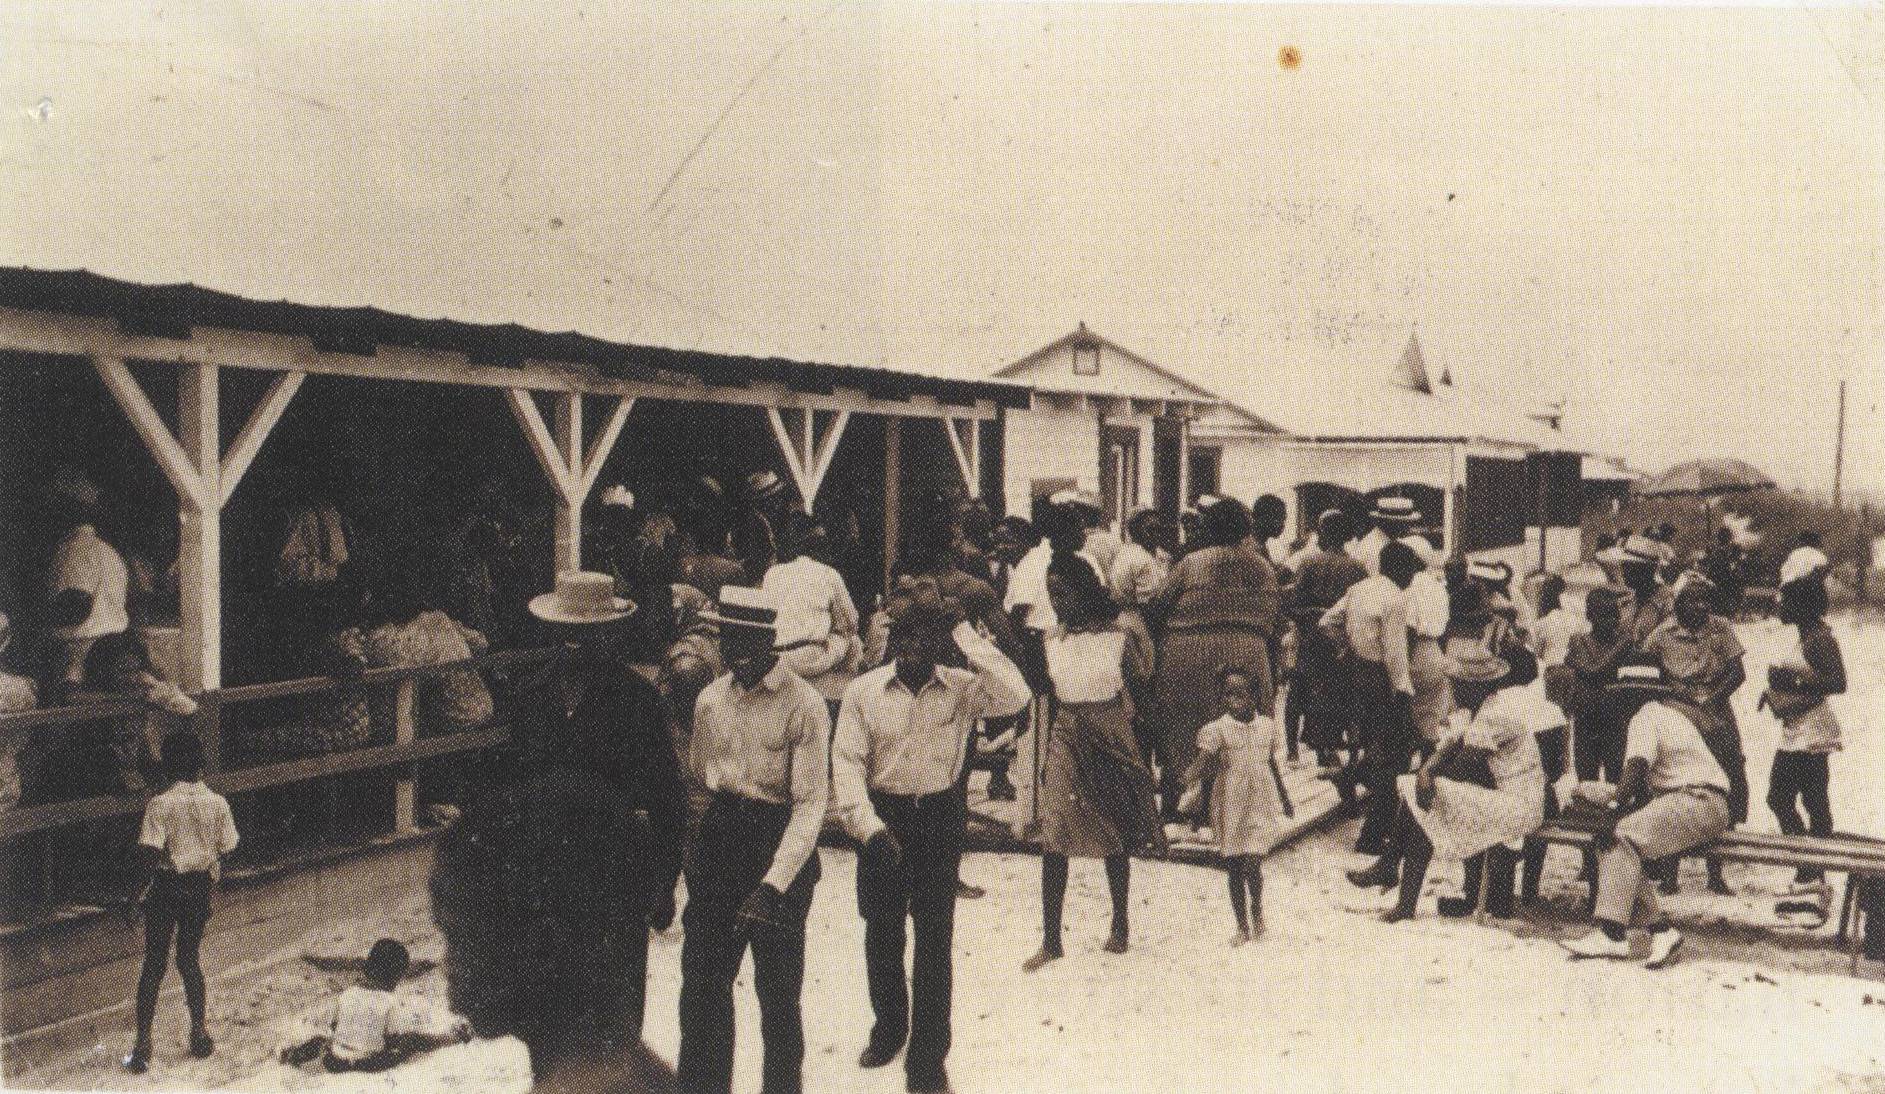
(877, 1055)
(1116, 943)
(1381, 873)
(1598, 944)
(1456, 907)
(965, 891)
(1040, 958)
(1239, 938)
(1663, 947)
(935, 1082)
(201, 1046)
(138, 1062)
(1397, 914)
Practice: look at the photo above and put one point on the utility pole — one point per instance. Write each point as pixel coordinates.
(1839, 446)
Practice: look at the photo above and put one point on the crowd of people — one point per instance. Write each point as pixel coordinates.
(725, 699)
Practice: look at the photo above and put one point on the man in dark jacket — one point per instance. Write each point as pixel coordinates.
(590, 710)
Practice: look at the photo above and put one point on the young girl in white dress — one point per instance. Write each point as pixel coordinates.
(1248, 803)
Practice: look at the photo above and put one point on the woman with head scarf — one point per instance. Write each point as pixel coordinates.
(1219, 606)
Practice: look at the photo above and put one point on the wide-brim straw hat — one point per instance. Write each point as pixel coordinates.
(1641, 678)
(761, 485)
(1498, 573)
(1476, 666)
(1394, 509)
(582, 596)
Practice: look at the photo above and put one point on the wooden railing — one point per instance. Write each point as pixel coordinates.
(405, 750)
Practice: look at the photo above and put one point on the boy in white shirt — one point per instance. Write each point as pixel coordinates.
(187, 831)
(369, 1027)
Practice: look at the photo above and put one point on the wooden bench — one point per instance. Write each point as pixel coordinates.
(1854, 856)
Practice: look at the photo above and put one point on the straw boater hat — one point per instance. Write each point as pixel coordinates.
(582, 597)
(1648, 678)
(1477, 666)
(619, 495)
(744, 609)
(1395, 509)
(761, 485)
(1635, 549)
(1496, 572)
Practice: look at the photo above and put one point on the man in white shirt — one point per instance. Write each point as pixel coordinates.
(1673, 796)
(818, 624)
(1393, 518)
(87, 577)
(1371, 618)
(760, 746)
(897, 764)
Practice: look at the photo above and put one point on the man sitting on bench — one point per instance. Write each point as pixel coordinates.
(1673, 796)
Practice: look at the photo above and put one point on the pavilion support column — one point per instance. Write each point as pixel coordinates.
(572, 471)
(893, 494)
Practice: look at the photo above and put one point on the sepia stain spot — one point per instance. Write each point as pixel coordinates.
(1289, 57)
(43, 110)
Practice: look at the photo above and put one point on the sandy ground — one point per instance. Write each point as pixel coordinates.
(1329, 1000)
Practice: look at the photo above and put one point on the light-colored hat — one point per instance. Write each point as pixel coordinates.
(581, 596)
(1424, 549)
(761, 485)
(70, 483)
(1392, 507)
(619, 495)
(1648, 677)
(1477, 666)
(1205, 501)
(745, 608)
(1496, 572)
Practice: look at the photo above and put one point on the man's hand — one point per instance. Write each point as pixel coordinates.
(760, 912)
(882, 853)
(661, 913)
(1424, 789)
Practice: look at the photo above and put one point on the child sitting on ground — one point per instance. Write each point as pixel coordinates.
(369, 1027)
(1249, 801)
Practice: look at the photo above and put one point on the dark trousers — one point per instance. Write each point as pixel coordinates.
(1802, 777)
(1597, 745)
(728, 857)
(1390, 740)
(177, 907)
(922, 889)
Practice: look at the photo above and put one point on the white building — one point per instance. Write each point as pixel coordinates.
(1335, 422)
(1103, 419)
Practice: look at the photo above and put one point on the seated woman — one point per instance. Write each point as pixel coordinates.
(1455, 818)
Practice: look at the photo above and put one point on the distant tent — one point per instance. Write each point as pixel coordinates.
(1411, 372)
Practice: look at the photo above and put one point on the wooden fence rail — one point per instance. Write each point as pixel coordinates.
(405, 750)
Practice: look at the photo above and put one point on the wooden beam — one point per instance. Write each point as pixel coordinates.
(827, 451)
(542, 445)
(163, 447)
(789, 448)
(604, 443)
(568, 435)
(42, 332)
(965, 460)
(893, 495)
(248, 443)
(199, 540)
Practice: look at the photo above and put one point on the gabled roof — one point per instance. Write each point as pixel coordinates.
(170, 311)
(1145, 380)
(1372, 384)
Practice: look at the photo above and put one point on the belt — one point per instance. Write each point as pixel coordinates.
(746, 806)
(920, 802)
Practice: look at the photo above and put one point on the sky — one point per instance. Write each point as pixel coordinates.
(1670, 218)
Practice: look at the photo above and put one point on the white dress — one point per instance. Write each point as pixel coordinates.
(1465, 818)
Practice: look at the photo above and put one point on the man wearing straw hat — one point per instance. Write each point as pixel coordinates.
(760, 747)
(590, 710)
(904, 732)
(1673, 796)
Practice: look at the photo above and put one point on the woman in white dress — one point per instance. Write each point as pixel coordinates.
(1097, 797)
(1446, 810)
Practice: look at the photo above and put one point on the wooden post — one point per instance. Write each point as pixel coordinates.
(404, 732)
(568, 436)
(893, 500)
(200, 531)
